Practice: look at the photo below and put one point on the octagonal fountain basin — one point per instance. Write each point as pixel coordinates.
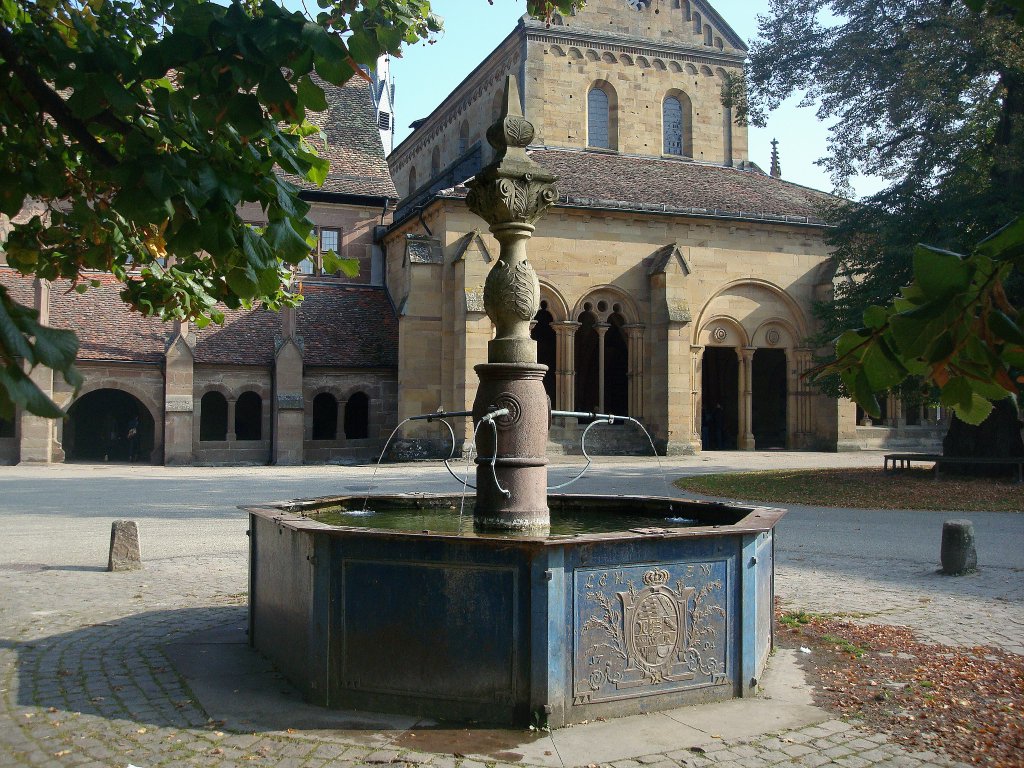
(629, 605)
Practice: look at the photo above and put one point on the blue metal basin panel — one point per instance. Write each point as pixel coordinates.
(640, 630)
(441, 630)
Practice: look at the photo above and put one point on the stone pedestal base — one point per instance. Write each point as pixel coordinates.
(518, 500)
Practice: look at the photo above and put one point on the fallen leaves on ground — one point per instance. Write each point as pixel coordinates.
(966, 702)
(863, 488)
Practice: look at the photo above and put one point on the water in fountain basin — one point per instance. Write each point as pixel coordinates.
(567, 519)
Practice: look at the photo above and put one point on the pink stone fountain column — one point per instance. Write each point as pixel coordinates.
(510, 194)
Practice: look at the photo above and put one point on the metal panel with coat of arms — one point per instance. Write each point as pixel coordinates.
(647, 629)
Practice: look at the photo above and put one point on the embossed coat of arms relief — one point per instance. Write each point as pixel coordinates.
(667, 634)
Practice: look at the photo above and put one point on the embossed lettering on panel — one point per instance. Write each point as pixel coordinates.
(646, 629)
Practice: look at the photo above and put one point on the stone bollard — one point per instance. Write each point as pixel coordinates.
(958, 553)
(125, 554)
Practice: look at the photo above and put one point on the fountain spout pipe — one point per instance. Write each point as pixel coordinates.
(441, 414)
(611, 418)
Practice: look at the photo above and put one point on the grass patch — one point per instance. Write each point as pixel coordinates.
(862, 488)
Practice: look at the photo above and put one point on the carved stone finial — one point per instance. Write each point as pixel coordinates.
(512, 188)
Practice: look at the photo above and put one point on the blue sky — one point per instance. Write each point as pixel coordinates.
(428, 73)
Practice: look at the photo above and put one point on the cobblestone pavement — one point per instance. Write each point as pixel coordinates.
(86, 680)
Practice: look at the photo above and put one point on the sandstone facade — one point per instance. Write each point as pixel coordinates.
(677, 278)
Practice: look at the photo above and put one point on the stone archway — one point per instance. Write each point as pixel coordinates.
(607, 348)
(765, 327)
(109, 425)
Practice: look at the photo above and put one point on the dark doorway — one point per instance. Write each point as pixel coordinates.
(546, 340)
(616, 368)
(325, 417)
(768, 394)
(357, 417)
(248, 416)
(720, 386)
(587, 364)
(213, 417)
(109, 425)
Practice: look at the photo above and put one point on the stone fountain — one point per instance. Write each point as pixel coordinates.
(510, 622)
(510, 194)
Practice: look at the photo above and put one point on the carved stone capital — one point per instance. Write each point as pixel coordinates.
(499, 199)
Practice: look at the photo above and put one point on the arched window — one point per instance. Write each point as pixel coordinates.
(463, 137)
(586, 347)
(602, 360)
(357, 417)
(325, 417)
(709, 34)
(435, 162)
(698, 23)
(544, 334)
(601, 126)
(677, 124)
(249, 417)
(672, 126)
(213, 417)
(616, 367)
(686, 9)
(412, 180)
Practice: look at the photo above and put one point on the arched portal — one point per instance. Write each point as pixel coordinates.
(720, 382)
(769, 393)
(357, 417)
(587, 363)
(616, 367)
(543, 333)
(109, 425)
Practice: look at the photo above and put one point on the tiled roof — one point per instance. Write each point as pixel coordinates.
(350, 327)
(107, 329)
(342, 326)
(245, 338)
(18, 287)
(354, 147)
(601, 179)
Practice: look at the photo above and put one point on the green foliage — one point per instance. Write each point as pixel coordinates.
(928, 95)
(131, 131)
(954, 325)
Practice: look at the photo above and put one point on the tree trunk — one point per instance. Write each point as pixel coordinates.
(999, 436)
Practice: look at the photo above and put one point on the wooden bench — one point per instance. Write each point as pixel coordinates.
(904, 460)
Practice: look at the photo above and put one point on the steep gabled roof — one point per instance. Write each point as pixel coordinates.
(354, 147)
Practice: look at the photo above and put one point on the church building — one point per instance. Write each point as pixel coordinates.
(677, 278)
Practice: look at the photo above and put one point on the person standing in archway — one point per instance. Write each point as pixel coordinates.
(133, 438)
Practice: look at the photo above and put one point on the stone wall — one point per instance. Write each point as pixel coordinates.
(559, 75)
(681, 285)
(381, 391)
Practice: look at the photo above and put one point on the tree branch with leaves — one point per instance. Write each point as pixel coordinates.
(138, 128)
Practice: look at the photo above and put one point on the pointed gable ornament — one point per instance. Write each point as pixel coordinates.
(472, 242)
(670, 258)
